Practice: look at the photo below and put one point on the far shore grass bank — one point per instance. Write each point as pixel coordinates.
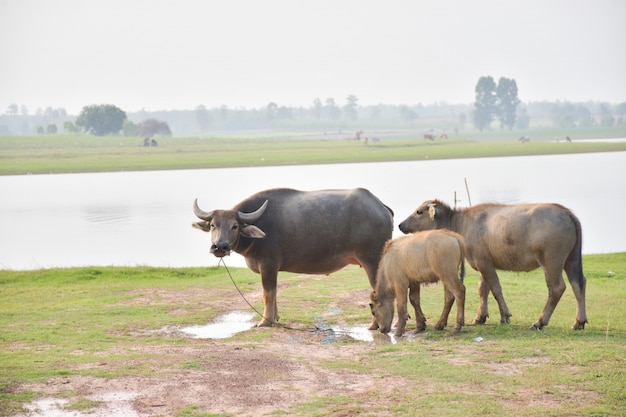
(46, 154)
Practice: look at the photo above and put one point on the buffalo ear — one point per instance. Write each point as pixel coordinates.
(373, 297)
(204, 226)
(432, 211)
(251, 231)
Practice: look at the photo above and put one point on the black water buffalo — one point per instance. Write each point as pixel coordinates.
(311, 232)
(520, 237)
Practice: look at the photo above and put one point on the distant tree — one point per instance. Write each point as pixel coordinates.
(70, 127)
(51, 129)
(333, 112)
(568, 115)
(407, 114)
(152, 127)
(620, 109)
(12, 110)
(375, 114)
(202, 118)
(522, 120)
(317, 109)
(485, 105)
(40, 130)
(101, 119)
(507, 102)
(130, 128)
(349, 110)
(271, 110)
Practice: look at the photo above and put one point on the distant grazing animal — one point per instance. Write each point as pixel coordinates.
(310, 232)
(429, 136)
(524, 139)
(408, 262)
(520, 237)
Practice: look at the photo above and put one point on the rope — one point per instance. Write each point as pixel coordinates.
(221, 261)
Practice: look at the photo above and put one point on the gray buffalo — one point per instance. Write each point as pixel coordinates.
(310, 232)
(409, 261)
(520, 237)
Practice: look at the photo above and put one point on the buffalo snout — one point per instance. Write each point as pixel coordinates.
(220, 249)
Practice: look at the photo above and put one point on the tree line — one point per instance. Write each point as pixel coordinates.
(493, 102)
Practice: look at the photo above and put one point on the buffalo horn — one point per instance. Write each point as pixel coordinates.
(204, 215)
(254, 216)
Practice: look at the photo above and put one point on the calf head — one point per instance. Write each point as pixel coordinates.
(227, 226)
(382, 310)
(429, 215)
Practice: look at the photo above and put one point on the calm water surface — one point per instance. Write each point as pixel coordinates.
(144, 218)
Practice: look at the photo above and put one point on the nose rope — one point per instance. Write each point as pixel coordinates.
(221, 261)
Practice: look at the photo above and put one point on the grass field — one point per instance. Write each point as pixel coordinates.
(79, 153)
(66, 332)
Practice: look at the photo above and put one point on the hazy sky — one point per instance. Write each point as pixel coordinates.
(178, 54)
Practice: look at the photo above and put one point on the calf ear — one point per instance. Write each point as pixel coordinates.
(204, 226)
(252, 231)
(432, 211)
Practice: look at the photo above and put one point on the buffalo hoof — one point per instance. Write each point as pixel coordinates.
(456, 330)
(440, 326)
(480, 319)
(535, 327)
(266, 323)
(579, 325)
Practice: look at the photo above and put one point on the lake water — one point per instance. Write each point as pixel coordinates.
(144, 218)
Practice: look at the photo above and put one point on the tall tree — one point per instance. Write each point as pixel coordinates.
(352, 102)
(507, 102)
(101, 119)
(485, 106)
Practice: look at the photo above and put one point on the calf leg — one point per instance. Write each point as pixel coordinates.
(414, 297)
(447, 306)
(270, 312)
(403, 314)
(556, 288)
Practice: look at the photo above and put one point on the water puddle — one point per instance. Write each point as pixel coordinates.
(338, 332)
(109, 404)
(224, 326)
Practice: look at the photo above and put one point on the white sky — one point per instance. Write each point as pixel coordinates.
(178, 54)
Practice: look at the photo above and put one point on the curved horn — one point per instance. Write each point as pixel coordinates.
(204, 215)
(254, 216)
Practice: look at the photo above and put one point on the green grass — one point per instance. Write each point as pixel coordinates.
(80, 153)
(55, 320)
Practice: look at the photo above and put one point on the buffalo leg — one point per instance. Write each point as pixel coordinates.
(489, 275)
(483, 309)
(270, 312)
(578, 281)
(371, 269)
(556, 288)
(414, 297)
